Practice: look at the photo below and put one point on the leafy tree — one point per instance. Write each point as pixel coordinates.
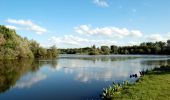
(168, 43)
(168, 47)
(105, 50)
(114, 49)
(52, 52)
(41, 52)
(94, 50)
(12, 46)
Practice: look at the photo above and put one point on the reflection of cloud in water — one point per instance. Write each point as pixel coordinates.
(30, 79)
(55, 68)
(105, 75)
(88, 70)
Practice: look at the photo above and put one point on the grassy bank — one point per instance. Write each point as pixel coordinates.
(155, 85)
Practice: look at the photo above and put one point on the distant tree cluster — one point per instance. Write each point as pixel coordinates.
(144, 48)
(13, 46)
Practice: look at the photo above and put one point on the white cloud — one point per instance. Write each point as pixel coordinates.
(74, 41)
(133, 43)
(68, 39)
(107, 31)
(159, 37)
(168, 35)
(136, 33)
(11, 27)
(103, 42)
(71, 41)
(156, 37)
(101, 3)
(27, 25)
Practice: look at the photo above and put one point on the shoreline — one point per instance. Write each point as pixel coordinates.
(154, 85)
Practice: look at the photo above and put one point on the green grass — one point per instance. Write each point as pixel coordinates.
(155, 85)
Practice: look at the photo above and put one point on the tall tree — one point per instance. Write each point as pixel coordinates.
(114, 49)
(105, 50)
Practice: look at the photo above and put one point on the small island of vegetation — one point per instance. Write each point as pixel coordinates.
(13, 46)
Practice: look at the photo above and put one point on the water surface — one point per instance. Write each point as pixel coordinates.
(70, 77)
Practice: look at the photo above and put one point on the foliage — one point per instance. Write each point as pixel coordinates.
(144, 48)
(94, 50)
(12, 46)
(114, 49)
(105, 50)
(52, 52)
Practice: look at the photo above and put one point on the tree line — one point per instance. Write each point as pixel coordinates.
(13, 46)
(159, 47)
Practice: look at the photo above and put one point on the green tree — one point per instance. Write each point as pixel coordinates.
(52, 52)
(168, 43)
(114, 49)
(41, 53)
(94, 50)
(34, 46)
(12, 46)
(105, 50)
(168, 47)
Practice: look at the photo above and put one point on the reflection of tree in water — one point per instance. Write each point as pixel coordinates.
(102, 58)
(13, 70)
(154, 63)
(53, 63)
(10, 72)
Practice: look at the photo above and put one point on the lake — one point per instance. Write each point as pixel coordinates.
(70, 77)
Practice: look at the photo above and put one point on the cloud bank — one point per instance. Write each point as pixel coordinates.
(107, 31)
(158, 37)
(75, 41)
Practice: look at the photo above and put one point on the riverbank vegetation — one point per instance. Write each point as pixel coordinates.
(144, 48)
(13, 46)
(154, 85)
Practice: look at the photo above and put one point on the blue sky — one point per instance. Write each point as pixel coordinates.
(80, 23)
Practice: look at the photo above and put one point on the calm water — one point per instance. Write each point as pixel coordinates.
(70, 77)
